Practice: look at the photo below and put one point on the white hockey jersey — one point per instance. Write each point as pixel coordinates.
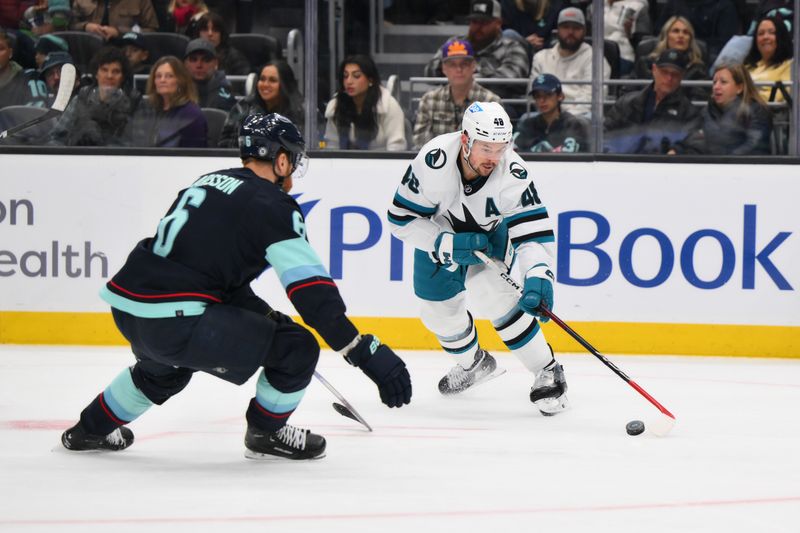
(433, 198)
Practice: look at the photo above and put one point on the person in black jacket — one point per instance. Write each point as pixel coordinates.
(213, 88)
(737, 121)
(184, 302)
(651, 121)
(552, 130)
(276, 92)
(102, 113)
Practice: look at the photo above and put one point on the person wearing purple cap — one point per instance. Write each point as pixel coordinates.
(496, 56)
(441, 110)
(551, 130)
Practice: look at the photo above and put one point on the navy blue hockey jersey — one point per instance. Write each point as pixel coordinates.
(218, 236)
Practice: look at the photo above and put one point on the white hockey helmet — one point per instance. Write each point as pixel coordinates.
(486, 121)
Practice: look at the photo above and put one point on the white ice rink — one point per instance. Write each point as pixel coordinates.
(484, 461)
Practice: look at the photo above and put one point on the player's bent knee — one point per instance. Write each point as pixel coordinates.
(161, 383)
(292, 358)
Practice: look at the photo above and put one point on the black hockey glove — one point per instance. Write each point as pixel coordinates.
(384, 367)
(279, 317)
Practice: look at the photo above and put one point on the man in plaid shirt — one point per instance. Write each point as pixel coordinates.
(441, 110)
(496, 56)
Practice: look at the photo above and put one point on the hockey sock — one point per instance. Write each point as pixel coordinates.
(462, 346)
(522, 334)
(270, 409)
(121, 403)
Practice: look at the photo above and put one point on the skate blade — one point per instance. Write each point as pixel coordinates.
(551, 407)
(489, 377)
(257, 456)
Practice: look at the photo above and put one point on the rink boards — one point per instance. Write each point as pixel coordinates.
(652, 258)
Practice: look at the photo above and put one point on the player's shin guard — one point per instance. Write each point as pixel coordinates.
(271, 408)
(268, 434)
(100, 423)
(522, 334)
(462, 346)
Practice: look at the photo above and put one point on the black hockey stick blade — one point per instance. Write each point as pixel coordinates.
(344, 408)
(65, 88)
(344, 411)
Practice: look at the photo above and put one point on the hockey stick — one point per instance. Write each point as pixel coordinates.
(344, 408)
(65, 87)
(668, 420)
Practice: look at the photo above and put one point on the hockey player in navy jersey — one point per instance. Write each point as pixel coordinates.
(469, 191)
(183, 301)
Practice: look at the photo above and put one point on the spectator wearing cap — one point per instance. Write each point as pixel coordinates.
(496, 56)
(213, 89)
(211, 27)
(47, 44)
(678, 34)
(47, 17)
(654, 119)
(113, 18)
(551, 130)
(100, 114)
(442, 109)
(50, 73)
(571, 60)
(137, 52)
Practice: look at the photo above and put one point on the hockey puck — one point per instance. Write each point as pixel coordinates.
(635, 427)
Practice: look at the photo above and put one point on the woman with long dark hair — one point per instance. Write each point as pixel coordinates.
(770, 57)
(212, 28)
(363, 115)
(276, 92)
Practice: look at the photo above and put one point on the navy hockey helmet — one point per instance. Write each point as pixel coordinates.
(263, 136)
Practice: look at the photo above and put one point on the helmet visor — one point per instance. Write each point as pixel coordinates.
(300, 165)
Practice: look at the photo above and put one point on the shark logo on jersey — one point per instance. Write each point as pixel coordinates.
(469, 223)
(436, 158)
(518, 171)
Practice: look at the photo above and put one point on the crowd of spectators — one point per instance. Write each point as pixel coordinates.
(743, 61)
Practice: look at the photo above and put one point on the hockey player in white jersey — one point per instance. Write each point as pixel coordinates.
(468, 191)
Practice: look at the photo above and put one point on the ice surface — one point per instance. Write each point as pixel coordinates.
(484, 461)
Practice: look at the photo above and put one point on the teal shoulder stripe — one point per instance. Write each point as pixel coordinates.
(421, 209)
(538, 211)
(291, 254)
(153, 310)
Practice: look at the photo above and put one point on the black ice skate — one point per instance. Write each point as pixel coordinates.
(549, 390)
(460, 379)
(76, 439)
(288, 442)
